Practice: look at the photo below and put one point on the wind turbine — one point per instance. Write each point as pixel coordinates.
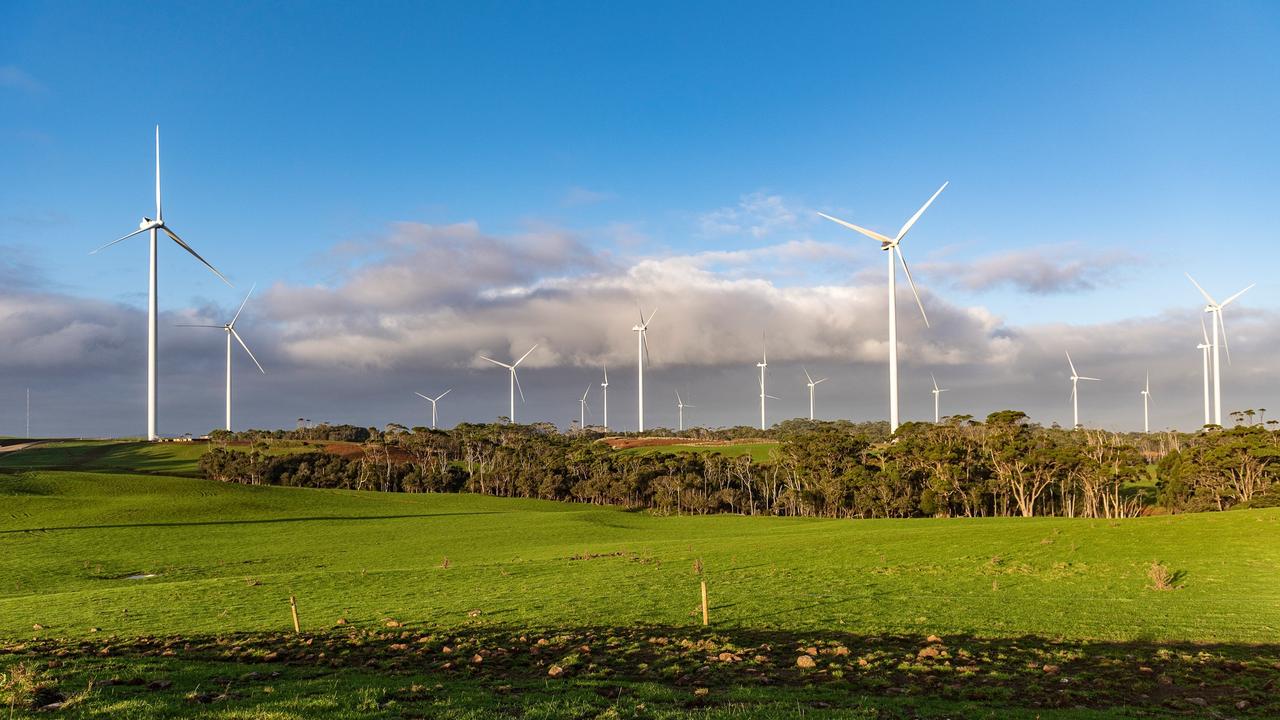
(812, 384)
(680, 406)
(230, 330)
(433, 401)
(1204, 356)
(1146, 397)
(515, 381)
(604, 391)
(1075, 396)
(582, 410)
(642, 354)
(1215, 308)
(893, 246)
(153, 315)
(936, 392)
(763, 365)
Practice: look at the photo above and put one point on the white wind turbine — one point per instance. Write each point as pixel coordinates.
(763, 365)
(642, 354)
(604, 391)
(1075, 395)
(230, 330)
(937, 418)
(153, 316)
(680, 406)
(582, 409)
(1215, 308)
(893, 246)
(515, 381)
(1204, 348)
(812, 384)
(433, 401)
(1146, 397)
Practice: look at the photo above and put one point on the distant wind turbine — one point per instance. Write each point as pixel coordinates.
(1075, 395)
(433, 401)
(937, 418)
(604, 391)
(1215, 308)
(812, 385)
(763, 365)
(153, 315)
(582, 409)
(230, 330)
(642, 355)
(515, 381)
(680, 406)
(1146, 397)
(1204, 348)
(893, 246)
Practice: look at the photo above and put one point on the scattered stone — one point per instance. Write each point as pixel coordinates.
(701, 692)
(37, 627)
(94, 630)
(811, 650)
(394, 624)
(1164, 680)
(863, 662)
(473, 613)
(1242, 705)
(933, 639)
(1051, 669)
(159, 684)
(842, 651)
(555, 671)
(477, 659)
(929, 652)
(806, 662)
(1198, 701)
(341, 621)
(728, 657)
(51, 706)
(446, 650)
(1145, 670)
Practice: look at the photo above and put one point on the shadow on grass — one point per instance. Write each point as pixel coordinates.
(705, 667)
(264, 521)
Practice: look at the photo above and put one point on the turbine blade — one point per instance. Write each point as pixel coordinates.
(815, 382)
(424, 397)
(678, 400)
(912, 283)
(773, 397)
(495, 362)
(522, 357)
(159, 212)
(646, 322)
(246, 302)
(1233, 297)
(1203, 330)
(606, 373)
(1082, 377)
(195, 254)
(1225, 345)
(220, 327)
(113, 242)
(935, 381)
(856, 228)
(585, 393)
(236, 335)
(1206, 295)
(446, 392)
(516, 377)
(644, 340)
(914, 218)
(1073, 365)
(807, 376)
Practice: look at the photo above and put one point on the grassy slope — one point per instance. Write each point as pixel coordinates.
(760, 452)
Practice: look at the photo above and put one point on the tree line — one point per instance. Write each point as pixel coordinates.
(1001, 466)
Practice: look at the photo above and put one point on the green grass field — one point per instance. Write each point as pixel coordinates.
(759, 451)
(223, 559)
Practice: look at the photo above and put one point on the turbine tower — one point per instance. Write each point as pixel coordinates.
(893, 246)
(515, 381)
(582, 410)
(812, 384)
(1146, 397)
(937, 418)
(642, 354)
(1075, 396)
(153, 315)
(230, 330)
(1204, 348)
(604, 391)
(1215, 308)
(680, 406)
(763, 365)
(433, 401)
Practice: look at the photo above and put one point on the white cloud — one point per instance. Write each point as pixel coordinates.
(756, 214)
(15, 78)
(1040, 270)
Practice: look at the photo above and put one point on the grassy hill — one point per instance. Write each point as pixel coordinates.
(108, 556)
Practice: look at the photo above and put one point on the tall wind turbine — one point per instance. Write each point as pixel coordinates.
(812, 384)
(433, 401)
(893, 246)
(604, 391)
(582, 409)
(1075, 395)
(153, 315)
(1146, 397)
(515, 381)
(937, 418)
(1215, 308)
(680, 406)
(1204, 348)
(642, 354)
(763, 365)
(230, 330)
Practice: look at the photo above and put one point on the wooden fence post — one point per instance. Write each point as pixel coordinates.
(293, 608)
(705, 619)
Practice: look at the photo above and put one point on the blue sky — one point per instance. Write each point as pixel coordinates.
(1131, 136)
